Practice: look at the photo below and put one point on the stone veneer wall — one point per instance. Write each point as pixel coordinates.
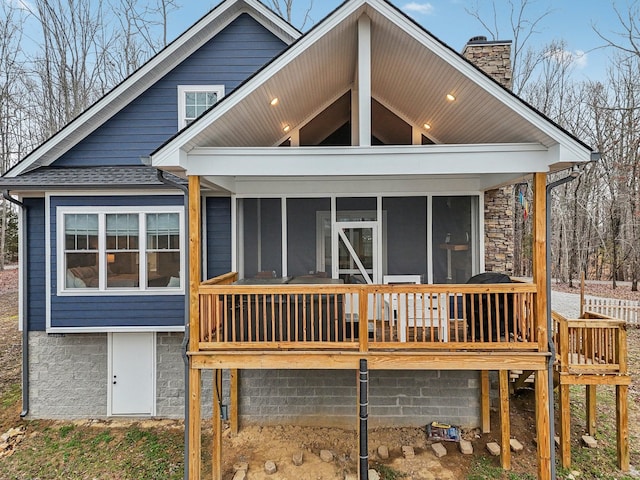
(494, 58)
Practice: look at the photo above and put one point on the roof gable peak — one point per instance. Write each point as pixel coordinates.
(175, 52)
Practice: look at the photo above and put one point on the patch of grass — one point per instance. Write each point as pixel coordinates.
(156, 451)
(520, 476)
(74, 452)
(482, 468)
(65, 430)
(11, 396)
(386, 472)
(601, 462)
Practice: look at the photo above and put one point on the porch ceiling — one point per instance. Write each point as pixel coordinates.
(406, 77)
(411, 74)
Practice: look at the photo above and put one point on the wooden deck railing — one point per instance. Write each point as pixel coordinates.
(594, 344)
(330, 316)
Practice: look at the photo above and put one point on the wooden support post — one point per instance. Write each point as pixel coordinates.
(622, 423)
(216, 423)
(505, 422)
(195, 413)
(195, 273)
(363, 320)
(195, 420)
(565, 426)
(485, 401)
(591, 409)
(542, 425)
(540, 255)
(234, 414)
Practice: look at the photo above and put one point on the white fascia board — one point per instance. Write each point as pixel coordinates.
(356, 161)
(254, 83)
(492, 87)
(294, 187)
(140, 329)
(283, 29)
(148, 74)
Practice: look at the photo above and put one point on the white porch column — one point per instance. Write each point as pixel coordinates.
(364, 82)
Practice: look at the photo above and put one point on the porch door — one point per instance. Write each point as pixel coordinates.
(132, 374)
(357, 252)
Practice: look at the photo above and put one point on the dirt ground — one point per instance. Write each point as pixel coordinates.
(256, 445)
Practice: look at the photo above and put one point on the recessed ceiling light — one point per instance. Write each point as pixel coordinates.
(427, 126)
(286, 128)
(274, 102)
(450, 97)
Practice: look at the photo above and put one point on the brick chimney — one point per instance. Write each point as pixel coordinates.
(494, 57)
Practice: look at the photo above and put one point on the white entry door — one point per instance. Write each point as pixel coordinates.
(132, 374)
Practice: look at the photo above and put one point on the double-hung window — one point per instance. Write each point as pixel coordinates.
(124, 249)
(194, 100)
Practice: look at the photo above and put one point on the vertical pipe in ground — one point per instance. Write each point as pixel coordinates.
(364, 417)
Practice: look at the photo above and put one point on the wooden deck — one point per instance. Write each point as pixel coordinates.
(435, 327)
(366, 318)
(592, 351)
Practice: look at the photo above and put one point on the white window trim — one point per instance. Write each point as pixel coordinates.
(184, 89)
(143, 289)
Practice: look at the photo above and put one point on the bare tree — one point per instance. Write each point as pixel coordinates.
(68, 65)
(284, 8)
(522, 28)
(11, 88)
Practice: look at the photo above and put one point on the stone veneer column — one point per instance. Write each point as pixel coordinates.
(494, 58)
(499, 230)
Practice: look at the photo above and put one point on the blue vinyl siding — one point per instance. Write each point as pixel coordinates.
(228, 59)
(36, 264)
(143, 310)
(218, 249)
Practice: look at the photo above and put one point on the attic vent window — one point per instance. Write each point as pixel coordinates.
(194, 100)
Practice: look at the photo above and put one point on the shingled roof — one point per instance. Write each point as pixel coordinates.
(48, 178)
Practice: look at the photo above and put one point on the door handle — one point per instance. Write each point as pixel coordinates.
(114, 380)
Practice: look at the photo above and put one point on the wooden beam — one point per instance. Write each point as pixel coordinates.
(234, 397)
(565, 426)
(195, 421)
(216, 424)
(590, 379)
(485, 401)
(542, 425)
(505, 422)
(195, 273)
(377, 361)
(622, 423)
(590, 401)
(540, 255)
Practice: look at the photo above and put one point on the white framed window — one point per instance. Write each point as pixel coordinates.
(120, 250)
(194, 100)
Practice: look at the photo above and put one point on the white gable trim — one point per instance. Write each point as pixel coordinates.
(169, 155)
(171, 56)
